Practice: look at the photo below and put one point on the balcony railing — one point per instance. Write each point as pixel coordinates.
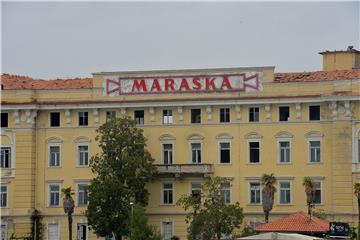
(185, 169)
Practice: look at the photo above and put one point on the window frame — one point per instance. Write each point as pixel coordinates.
(7, 120)
(50, 119)
(109, 117)
(309, 150)
(225, 115)
(87, 229)
(49, 194)
(168, 189)
(11, 159)
(191, 182)
(49, 154)
(78, 154)
(320, 181)
(219, 151)
(7, 195)
(314, 105)
(167, 221)
(87, 118)
(191, 115)
(167, 116)
(290, 189)
(143, 118)
(229, 188)
(249, 192)
(58, 230)
(163, 152)
(279, 141)
(191, 152)
(258, 116)
(249, 154)
(282, 106)
(78, 204)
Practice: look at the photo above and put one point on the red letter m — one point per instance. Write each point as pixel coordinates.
(139, 85)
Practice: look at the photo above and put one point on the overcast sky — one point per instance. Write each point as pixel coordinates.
(64, 39)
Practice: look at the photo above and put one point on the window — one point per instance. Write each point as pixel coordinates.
(284, 114)
(196, 115)
(82, 231)
(318, 194)
(225, 192)
(139, 117)
(55, 119)
(3, 233)
(253, 114)
(196, 190)
(83, 118)
(54, 191)
(315, 151)
(224, 115)
(358, 150)
(284, 151)
(53, 231)
(5, 157)
(254, 152)
(196, 152)
(83, 155)
(167, 116)
(255, 192)
(167, 193)
(167, 230)
(54, 156)
(167, 153)
(110, 115)
(285, 192)
(82, 194)
(4, 119)
(224, 152)
(4, 196)
(314, 113)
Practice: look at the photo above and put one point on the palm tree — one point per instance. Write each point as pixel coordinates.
(69, 205)
(268, 193)
(309, 185)
(357, 194)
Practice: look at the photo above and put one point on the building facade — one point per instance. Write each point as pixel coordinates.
(237, 123)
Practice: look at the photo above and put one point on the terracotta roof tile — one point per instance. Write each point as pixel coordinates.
(297, 222)
(9, 81)
(317, 76)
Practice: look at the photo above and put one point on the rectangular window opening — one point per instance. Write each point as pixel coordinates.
(83, 118)
(254, 114)
(255, 193)
(224, 152)
(196, 115)
(168, 153)
(314, 113)
(4, 120)
(167, 193)
(110, 115)
(196, 152)
(224, 115)
(284, 114)
(167, 116)
(55, 119)
(139, 117)
(5, 157)
(254, 149)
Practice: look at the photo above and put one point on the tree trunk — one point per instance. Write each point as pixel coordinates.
(309, 208)
(70, 226)
(266, 216)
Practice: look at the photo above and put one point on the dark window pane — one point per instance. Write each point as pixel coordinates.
(254, 152)
(225, 156)
(254, 114)
(110, 115)
(284, 114)
(139, 117)
(54, 119)
(4, 119)
(83, 118)
(224, 115)
(314, 113)
(195, 115)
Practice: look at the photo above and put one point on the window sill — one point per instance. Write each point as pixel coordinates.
(54, 167)
(254, 204)
(167, 205)
(315, 163)
(82, 166)
(54, 206)
(259, 163)
(285, 204)
(224, 164)
(284, 163)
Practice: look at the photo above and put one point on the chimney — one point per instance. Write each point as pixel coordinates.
(341, 60)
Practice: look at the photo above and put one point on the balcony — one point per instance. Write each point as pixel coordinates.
(180, 170)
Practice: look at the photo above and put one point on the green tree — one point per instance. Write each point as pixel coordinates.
(209, 216)
(122, 169)
(357, 194)
(268, 193)
(140, 228)
(309, 185)
(69, 205)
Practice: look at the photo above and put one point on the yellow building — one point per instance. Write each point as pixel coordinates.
(237, 123)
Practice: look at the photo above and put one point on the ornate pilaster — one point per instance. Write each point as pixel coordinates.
(123, 112)
(238, 112)
(96, 117)
(348, 109)
(152, 114)
(298, 111)
(268, 112)
(209, 113)
(181, 114)
(16, 115)
(334, 111)
(68, 117)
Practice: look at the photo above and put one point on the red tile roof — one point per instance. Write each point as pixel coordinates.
(297, 222)
(9, 81)
(317, 76)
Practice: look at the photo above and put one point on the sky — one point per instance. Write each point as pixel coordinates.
(50, 40)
